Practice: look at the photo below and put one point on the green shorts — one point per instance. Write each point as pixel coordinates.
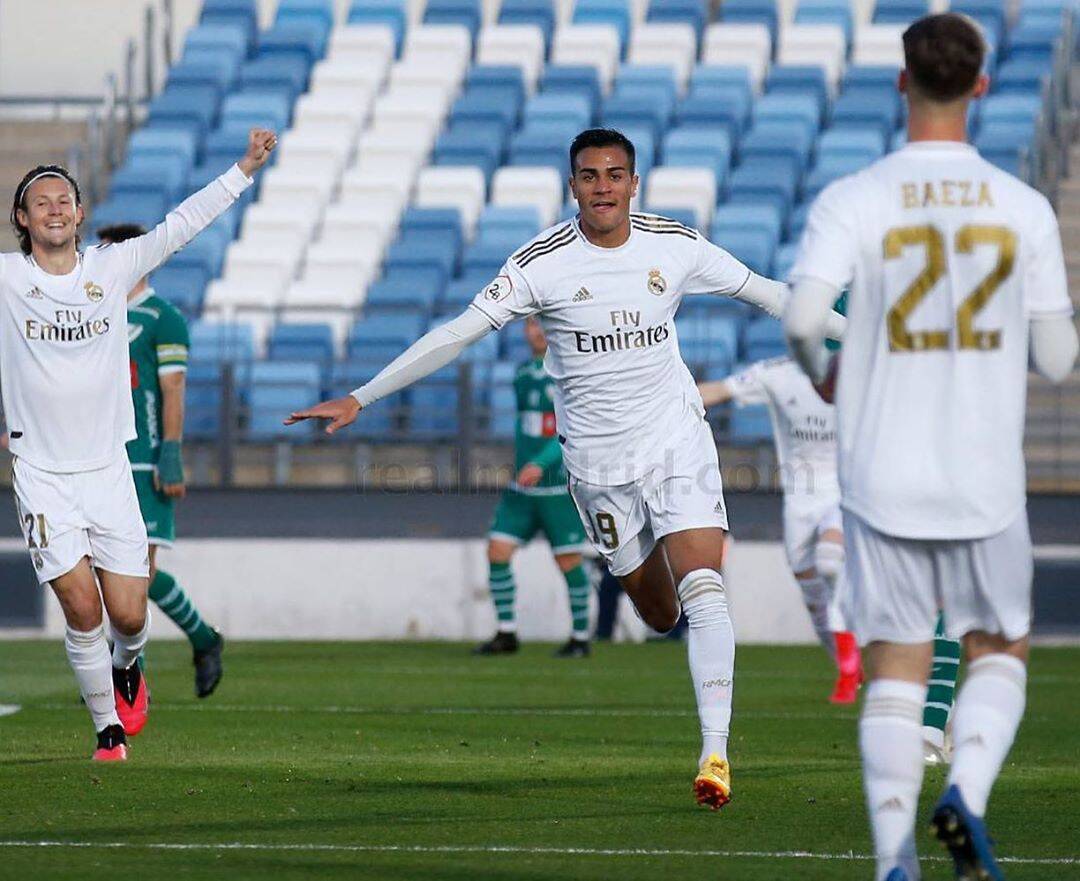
(520, 516)
(157, 508)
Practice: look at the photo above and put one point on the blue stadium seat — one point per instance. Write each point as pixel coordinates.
(153, 142)
(486, 257)
(1034, 39)
(700, 146)
(867, 143)
(479, 144)
(277, 388)
(751, 11)
(754, 247)
(827, 12)
(750, 425)
(692, 12)
(870, 76)
(785, 107)
(406, 287)
(542, 144)
(321, 11)
(611, 12)
(156, 174)
(713, 106)
(573, 110)
(727, 76)
(642, 107)
(462, 12)
(389, 13)
(232, 37)
(433, 405)
(183, 286)
(256, 107)
(206, 250)
(765, 219)
(146, 208)
(502, 418)
(863, 107)
(302, 39)
(194, 108)
(431, 248)
(460, 292)
(439, 220)
(899, 11)
(487, 104)
(203, 394)
(301, 342)
(797, 79)
(204, 68)
(535, 12)
(224, 145)
(385, 334)
(775, 180)
(706, 336)
(571, 78)
(797, 223)
(1011, 109)
(789, 139)
(504, 75)
(784, 260)
(830, 167)
(1022, 76)
(655, 77)
(218, 341)
(275, 73)
(523, 220)
(764, 338)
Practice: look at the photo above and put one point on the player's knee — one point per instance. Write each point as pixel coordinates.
(829, 559)
(500, 551)
(661, 617)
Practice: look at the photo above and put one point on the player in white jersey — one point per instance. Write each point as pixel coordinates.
(956, 274)
(66, 388)
(641, 459)
(804, 429)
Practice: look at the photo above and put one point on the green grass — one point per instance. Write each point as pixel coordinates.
(422, 746)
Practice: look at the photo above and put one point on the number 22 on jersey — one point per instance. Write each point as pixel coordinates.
(901, 339)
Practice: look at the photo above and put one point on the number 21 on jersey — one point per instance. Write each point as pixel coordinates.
(935, 266)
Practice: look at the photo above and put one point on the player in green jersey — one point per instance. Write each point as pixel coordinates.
(158, 345)
(536, 501)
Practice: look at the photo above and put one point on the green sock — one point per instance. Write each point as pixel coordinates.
(577, 583)
(172, 600)
(501, 582)
(942, 686)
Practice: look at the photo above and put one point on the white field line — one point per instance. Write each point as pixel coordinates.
(9, 709)
(850, 856)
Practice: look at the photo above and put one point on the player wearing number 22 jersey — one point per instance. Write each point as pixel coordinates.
(956, 275)
(640, 456)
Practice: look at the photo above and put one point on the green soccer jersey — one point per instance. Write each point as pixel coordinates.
(157, 345)
(537, 441)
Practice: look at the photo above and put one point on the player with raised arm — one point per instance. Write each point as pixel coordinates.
(536, 501)
(66, 386)
(158, 346)
(641, 458)
(956, 276)
(804, 430)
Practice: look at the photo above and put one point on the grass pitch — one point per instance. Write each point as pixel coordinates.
(411, 761)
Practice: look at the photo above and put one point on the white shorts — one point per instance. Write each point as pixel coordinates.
(624, 522)
(95, 514)
(896, 586)
(804, 522)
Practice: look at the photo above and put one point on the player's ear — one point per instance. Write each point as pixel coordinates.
(902, 82)
(22, 217)
(982, 86)
(80, 215)
(634, 181)
(573, 186)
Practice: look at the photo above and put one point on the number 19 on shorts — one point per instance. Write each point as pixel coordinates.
(605, 528)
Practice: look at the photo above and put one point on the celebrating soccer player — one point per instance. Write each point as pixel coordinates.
(537, 501)
(158, 345)
(956, 273)
(804, 430)
(66, 387)
(641, 458)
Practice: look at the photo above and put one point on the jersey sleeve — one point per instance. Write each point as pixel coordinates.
(828, 249)
(507, 297)
(747, 386)
(1046, 289)
(172, 342)
(139, 256)
(715, 271)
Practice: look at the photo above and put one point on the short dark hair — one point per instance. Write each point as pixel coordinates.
(121, 232)
(19, 201)
(601, 137)
(943, 55)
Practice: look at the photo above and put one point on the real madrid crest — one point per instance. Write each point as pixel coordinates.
(94, 292)
(657, 283)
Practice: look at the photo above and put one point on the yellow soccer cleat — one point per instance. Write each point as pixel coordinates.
(712, 786)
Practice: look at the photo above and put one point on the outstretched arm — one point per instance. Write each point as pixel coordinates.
(145, 253)
(805, 322)
(715, 392)
(1054, 346)
(773, 297)
(435, 349)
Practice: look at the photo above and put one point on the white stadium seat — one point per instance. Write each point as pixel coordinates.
(439, 44)
(354, 41)
(748, 44)
(390, 184)
(413, 112)
(443, 77)
(329, 113)
(821, 45)
(879, 44)
(674, 45)
(352, 73)
(287, 218)
(456, 186)
(540, 187)
(267, 261)
(222, 307)
(518, 45)
(298, 185)
(593, 45)
(679, 187)
(315, 147)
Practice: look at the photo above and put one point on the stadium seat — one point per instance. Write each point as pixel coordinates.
(768, 140)
(899, 11)
(256, 107)
(230, 37)
(830, 12)
(761, 12)
(588, 45)
(1022, 76)
(299, 38)
(164, 143)
(767, 179)
(864, 142)
(260, 266)
(145, 208)
(783, 108)
(183, 286)
(748, 44)
(830, 167)
(814, 44)
(575, 111)
(750, 425)
(513, 45)
(188, 107)
(520, 221)
(713, 106)
(537, 13)
(878, 45)
(204, 68)
(700, 146)
(538, 188)
(271, 73)
(321, 11)
(764, 338)
(382, 417)
(784, 261)
(362, 42)
(879, 109)
(753, 247)
(613, 13)
(301, 342)
(164, 175)
(693, 188)
(241, 14)
(276, 389)
(672, 45)
(384, 335)
(407, 285)
(460, 188)
(764, 219)
(386, 13)
(800, 80)
(215, 342)
(692, 12)
(480, 145)
(465, 13)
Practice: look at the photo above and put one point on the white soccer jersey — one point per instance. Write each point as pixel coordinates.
(66, 379)
(947, 257)
(804, 426)
(622, 389)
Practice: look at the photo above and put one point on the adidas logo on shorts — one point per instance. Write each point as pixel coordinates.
(582, 295)
(719, 508)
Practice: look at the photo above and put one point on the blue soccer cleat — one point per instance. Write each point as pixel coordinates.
(897, 874)
(965, 836)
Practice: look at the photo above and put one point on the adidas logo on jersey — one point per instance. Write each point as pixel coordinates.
(582, 295)
(35, 293)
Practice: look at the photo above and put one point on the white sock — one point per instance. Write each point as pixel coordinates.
(816, 592)
(126, 648)
(88, 654)
(711, 649)
(987, 713)
(890, 739)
